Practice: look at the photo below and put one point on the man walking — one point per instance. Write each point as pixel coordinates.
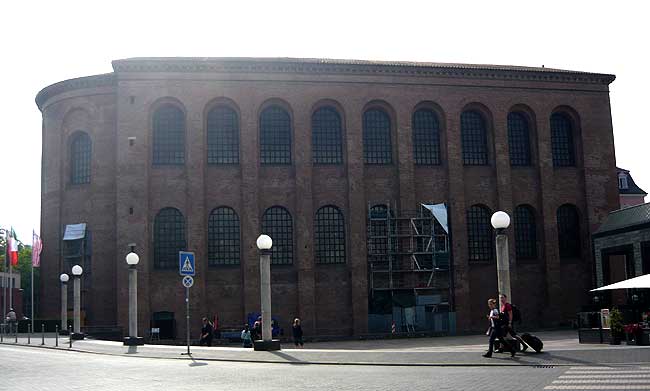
(206, 333)
(508, 328)
(11, 320)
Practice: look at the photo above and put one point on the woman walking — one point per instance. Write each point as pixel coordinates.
(496, 330)
(247, 340)
(297, 333)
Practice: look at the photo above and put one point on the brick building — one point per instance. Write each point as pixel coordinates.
(630, 194)
(334, 160)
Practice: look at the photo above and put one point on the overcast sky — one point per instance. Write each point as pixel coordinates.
(46, 42)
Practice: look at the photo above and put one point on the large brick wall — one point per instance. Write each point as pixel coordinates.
(126, 191)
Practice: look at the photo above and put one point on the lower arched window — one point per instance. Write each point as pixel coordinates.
(525, 232)
(480, 241)
(223, 237)
(330, 235)
(168, 238)
(277, 223)
(568, 231)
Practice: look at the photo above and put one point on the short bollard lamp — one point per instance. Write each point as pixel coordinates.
(264, 244)
(500, 221)
(64, 278)
(76, 329)
(132, 259)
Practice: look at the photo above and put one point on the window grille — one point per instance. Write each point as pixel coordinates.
(223, 237)
(474, 139)
(169, 238)
(377, 146)
(277, 223)
(80, 158)
(275, 136)
(327, 145)
(568, 231)
(480, 240)
(168, 136)
(223, 136)
(426, 137)
(562, 141)
(525, 232)
(519, 140)
(330, 235)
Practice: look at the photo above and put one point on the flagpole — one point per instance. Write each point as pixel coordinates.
(32, 283)
(11, 280)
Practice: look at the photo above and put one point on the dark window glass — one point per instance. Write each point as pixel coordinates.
(327, 145)
(169, 135)
(474, 139)
(330, 235)
(223, 237)
(377, 147)
(223, 136)
(568, 231)
(426, 137)
(518, 140)
(168, 238)
(275, 136)
(525, 232)
(80, 158)
(277, 223)
(378, 230)
(562, 141)
(479, 234)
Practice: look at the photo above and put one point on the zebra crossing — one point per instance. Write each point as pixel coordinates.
(603, 378)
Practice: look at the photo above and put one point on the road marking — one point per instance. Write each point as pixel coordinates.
(603, 372)
(600, 387)
(602, 378)
(599, 376)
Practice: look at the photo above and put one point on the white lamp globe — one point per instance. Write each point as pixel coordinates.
(64, 278)
(500, 220)
(77, 270)
(132, 258)
(264, 242)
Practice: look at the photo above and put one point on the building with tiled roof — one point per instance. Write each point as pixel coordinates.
(630, 193)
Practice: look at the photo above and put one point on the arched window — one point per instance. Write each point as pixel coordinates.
(377, 146)
(326, 136)
(330, 235)
(474, 139)
(275, 136)
(223, 136)
(168, 135)
(80, 158)
(168, 238)
(518, 139)
(562, 141)
(568, 231)
(525, 232)
(426, 137)
(277, 223)
(223, 237)
(480, 241)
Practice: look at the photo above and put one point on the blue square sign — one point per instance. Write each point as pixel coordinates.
(186, 263)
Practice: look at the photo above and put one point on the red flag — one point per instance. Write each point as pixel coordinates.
(37, 247)
(12, 249)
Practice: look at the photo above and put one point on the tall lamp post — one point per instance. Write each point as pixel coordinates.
(132, 260)
(264, 244)
(64, 304)
(76, 328)
(500, 221)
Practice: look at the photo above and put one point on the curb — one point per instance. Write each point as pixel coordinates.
(338, 363)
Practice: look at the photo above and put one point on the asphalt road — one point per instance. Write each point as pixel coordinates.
(27, 368)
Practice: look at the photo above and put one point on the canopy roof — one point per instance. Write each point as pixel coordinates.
(640, 282)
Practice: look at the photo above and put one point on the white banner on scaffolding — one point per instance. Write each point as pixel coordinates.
(439, 211)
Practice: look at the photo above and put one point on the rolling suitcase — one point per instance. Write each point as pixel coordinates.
(533, 342)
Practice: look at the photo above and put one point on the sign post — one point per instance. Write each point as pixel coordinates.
(187, 270)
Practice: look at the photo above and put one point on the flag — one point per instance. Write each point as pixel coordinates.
(12, 248)
(37, 247)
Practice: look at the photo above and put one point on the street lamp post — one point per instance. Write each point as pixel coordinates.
(264, 244)
(132, 260)
(76, 331)
(500, 221)
(64, 303)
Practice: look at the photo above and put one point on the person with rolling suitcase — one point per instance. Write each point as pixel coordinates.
(496, 330)
(534, 342)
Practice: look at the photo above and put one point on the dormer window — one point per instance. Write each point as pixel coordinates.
(622, 181)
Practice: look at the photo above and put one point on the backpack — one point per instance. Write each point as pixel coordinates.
(516, 314)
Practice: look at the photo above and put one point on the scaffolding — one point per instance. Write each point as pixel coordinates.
(408, 261)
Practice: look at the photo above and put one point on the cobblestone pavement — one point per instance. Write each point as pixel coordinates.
(29, 369)
(603, 378)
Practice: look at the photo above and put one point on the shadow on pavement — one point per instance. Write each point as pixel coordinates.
(195, 363)
(288, 357)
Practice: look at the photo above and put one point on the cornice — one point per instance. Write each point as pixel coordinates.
(104, 80)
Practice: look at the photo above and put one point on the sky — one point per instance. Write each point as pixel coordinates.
(46, 42)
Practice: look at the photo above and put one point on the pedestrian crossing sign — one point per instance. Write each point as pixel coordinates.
(186, 263)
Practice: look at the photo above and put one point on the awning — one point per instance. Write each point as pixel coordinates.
(439, 211)
(641, 282)
(75, 231)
